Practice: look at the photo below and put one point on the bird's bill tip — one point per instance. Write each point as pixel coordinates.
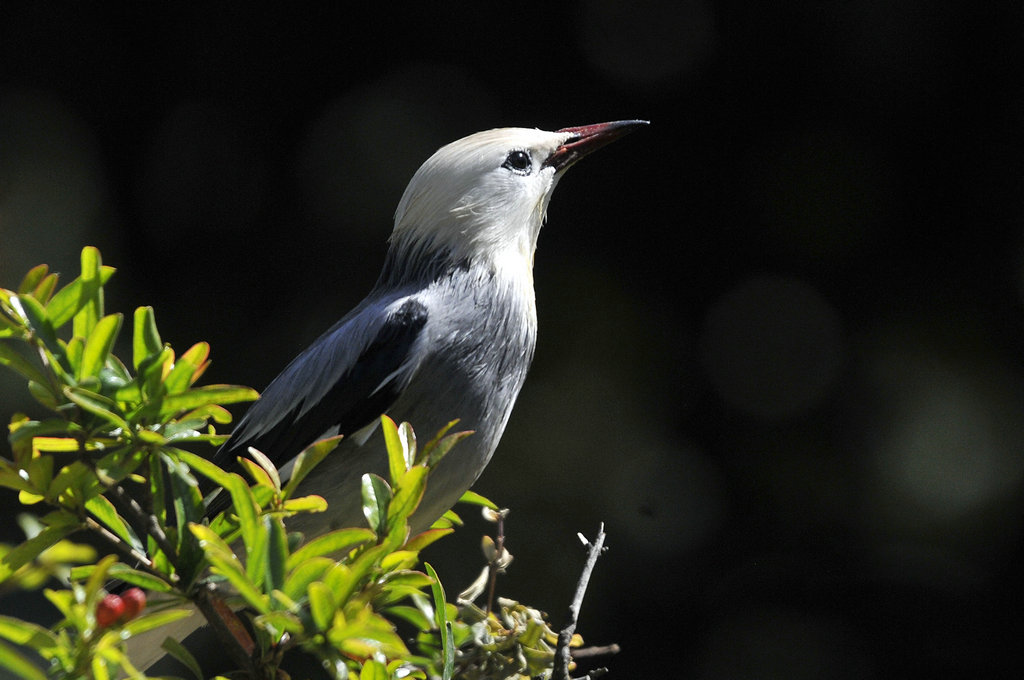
(585, 139)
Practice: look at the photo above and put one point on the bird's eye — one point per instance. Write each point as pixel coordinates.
(519, 162)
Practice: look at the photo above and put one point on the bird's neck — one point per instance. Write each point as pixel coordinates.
(422, 261)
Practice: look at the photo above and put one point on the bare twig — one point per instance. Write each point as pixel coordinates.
(596, 650)
(594, 549)
(493, 566)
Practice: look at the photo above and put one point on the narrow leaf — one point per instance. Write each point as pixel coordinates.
(444, 625)
(104, 511)
(63, 306)
(90, 312)
(148, 622)
(179, 652)
(12, 359)
(321, 604)
(19, 665)
(98, 345)
(308, 459)
(32, 279)
(395, 448)
(331, 543)
(98, 405)
(207, 394)
(145, 336)
(376, 496)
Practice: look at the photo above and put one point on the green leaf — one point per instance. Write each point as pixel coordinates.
(411, 614)
(72, 297)
(148, 622)
(444, 445)
(308, 459)
(267, 466)
(26, 633)
(321, 604)
(204, 467)
(444, 624)
(98, 345)
(225, 563)
(91, 309)
(45, 289)
(122, 572)
(202, 396)
(373, 670)
(425, 538)
(104, 511)
(32, 279)
(398, 460)
(187, 368)
(19, 665)
(277, 553)
(473, 498)
(407, 497)
(304, 573)
(145, 336)
(12, 359)
(39, 323)
(376, 496)
(30, 549)
(331, 543)
(98, 405)
(179, 652)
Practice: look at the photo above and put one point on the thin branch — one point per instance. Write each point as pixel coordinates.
(595, 650)
(148, 521)
(493, 566)
(119, 545)
(594, 549)
(228, 627)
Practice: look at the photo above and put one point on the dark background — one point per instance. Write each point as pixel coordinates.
(781, 329)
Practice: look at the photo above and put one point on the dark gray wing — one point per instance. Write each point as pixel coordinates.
(342, 382)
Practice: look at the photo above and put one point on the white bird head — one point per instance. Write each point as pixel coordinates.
(486, 195)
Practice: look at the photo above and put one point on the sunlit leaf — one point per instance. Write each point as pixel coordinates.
(267, 465)
(411, 486)
(98, 405)
(473, 498)
(98, 345)
(145, 336)
(12, 359)
(223, 561)
(331, 543)
(321, 604)
(63, 306)
(425, 538)
(444, 624)
(104, 511)
(376, 496)
(19, 665)
(157, 619)
(398, 458)
(32, 279)
(91, 309)
(202, 396)
(308, 459)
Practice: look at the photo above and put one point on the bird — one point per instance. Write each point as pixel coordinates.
(447, 332)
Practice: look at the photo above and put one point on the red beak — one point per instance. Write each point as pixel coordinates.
(586, 139)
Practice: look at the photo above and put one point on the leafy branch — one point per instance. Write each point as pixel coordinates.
(112, 459)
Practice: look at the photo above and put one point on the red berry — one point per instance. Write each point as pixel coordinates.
(134, 602)
(109, 610)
